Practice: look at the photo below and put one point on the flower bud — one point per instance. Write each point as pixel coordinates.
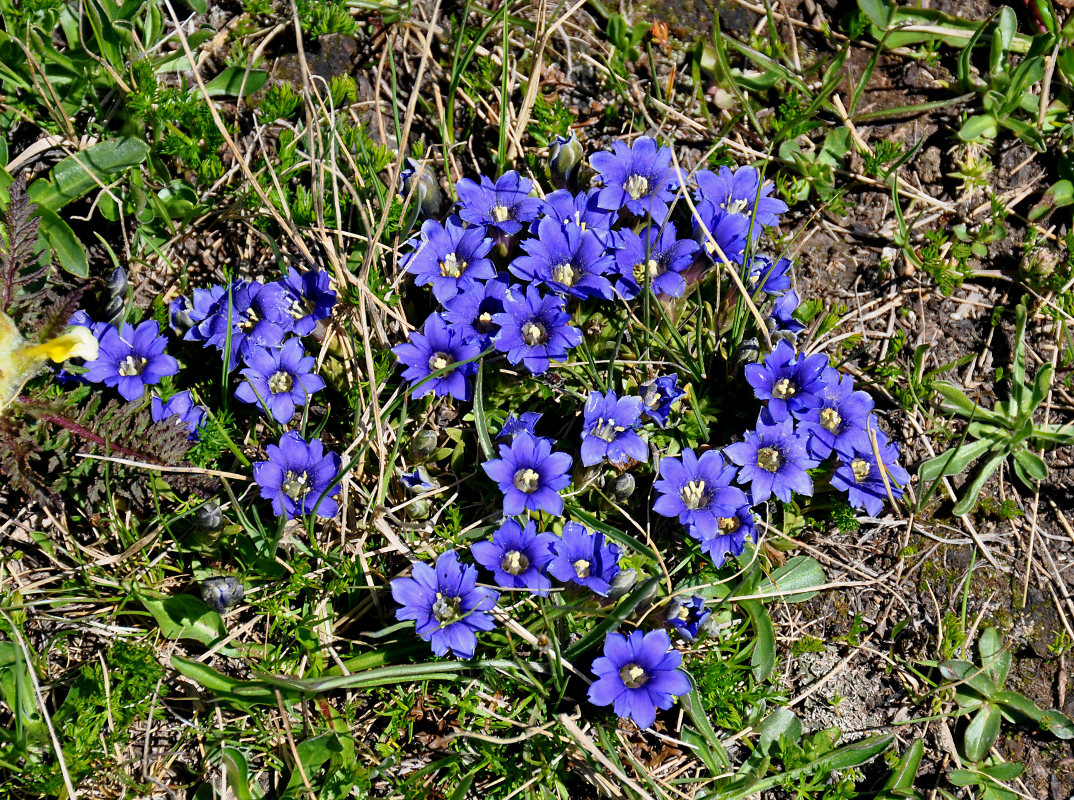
(748, 352)
(623, 582)
(419, 183)
(419, 481)
(117, 296)
(418, 509)
(424, 443)
(623, 486)
(179, 315)
(564, 155)
(221, 593)
(209, 517)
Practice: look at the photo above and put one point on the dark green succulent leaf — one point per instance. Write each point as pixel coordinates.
(1018, 707)
(1004, 771)
(1057, 724)
(970, 493)
(954, 461)
(902, 777)
(995, 658)
(969, 675)
(982, 732)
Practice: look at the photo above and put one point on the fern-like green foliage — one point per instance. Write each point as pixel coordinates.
(45, 429)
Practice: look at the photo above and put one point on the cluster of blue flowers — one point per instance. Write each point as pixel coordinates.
(261, 325)
(507, 269)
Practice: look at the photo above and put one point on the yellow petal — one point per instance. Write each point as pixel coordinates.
(78, 342)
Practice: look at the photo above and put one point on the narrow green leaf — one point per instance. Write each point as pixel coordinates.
(954, 461)
(1002, 37)
(1057, 724)
(979, 126)
(1005, 770)
(238, 774)
(230, 82)
(78, 174)
(969, 496)
(902, 777)
(877, 11)
(480, 420)
(1029, 467)
(623, 609)
(63, 242)
(796, 581)
(763, 659)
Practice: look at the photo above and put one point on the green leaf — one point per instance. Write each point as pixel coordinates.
(1005, 770)
(95, 166)
(1029, 467)
(763, 658)
(1002, 37)
(781, 723)
(230, 82)
(706, 741)
(979, 126)
(1017, 707)
(969, 496)
(796, 581)
(995, 658)
(952, 462)
(238, 774)
(314, 753)
(1042, 383)
(1058, 195)
(955, 401)
(480, 420)
(877, 11)
(1057, 724)
(970, 675)
(623, 609)
(902, 777)
(184, 616)
(963, 777)
(63, 242)
(982, 732)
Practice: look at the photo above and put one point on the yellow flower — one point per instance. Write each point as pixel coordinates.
(20, 360)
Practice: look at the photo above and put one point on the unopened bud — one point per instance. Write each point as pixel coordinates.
(564, 155)
(418, 509)
(209, 517)
(221, 593)
(623, 582)
(748, 352)
(117, 296)
(424, 443)
(623, 486)
(420, 185)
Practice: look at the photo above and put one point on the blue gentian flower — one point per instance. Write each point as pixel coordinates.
(584, 558)
(789, 383)
(418, 480)
(439, 346)
(580, 211)
(774, 460)
(204, 305)
(859, 476)
(131, 358)
(450, 257)
(697, 490)
(503, 205)
(687, 617)
(179, 319)
(653, 257)
(637, 675)
(517, 556)
(472, 312)
(609, 430)
(770, 276)
(730, 537)
(279, 380)
(259, 315)
(309, 298)
(740, 192)
(534, 329)
(530, 475)
(296, 477)
(839, 422)
(446, 604)
(637, 177)
(727, 231)
(523, 423)
(658, 396)
(181, 405)
(783, 308)
(566, 259)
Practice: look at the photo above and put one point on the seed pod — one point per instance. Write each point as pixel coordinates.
(209, 517)
(623, 486)
(424, 443)
(222, 592)
(117, 287)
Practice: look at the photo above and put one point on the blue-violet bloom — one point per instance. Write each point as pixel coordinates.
(517, 556)
(774, 460)
(534, 329)
(450, 257)
(446, 604)
(859, 474)
(438, 347)
(697, 490)
(296, 477)
(309, 298)
(687, 617)
(740, 192)
(180, 405)
(730, 537)
(768, 275)
(131, 358)
(584, 558)
(580, 211)
(503, 205)
(637, 675)
(609, 430)
(654, 257)
(658, 395)
(637, 177)
(279, 379)
(530, 475)
(839, 422)
(790, 384)
(566, 259)
(472, 312)
(525, 422)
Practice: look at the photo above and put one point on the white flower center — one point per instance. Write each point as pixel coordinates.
(501, 213)
(534, 333)
(861, 469)
(451, 267)
(607, 430)
(633, 676)
(298, 309)
(565, 274)
(296, 485)
(131, 365)
(438, 361)
(446, 609)
(251, 319)
(514, 562)
(830, 419)
(693, 494)
(769, 458)
(483, 322)
(735, 206)
(637, 186)
(581, 568)
(649, 270)
(784, 388)
(280, 382)
(652, 397)
(527, 480)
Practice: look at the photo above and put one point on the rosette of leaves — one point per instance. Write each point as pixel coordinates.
(45, 432)
(1007, 430)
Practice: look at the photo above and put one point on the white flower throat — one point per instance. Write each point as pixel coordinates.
(694, 495)
(296, 485)
(606, 429)
(636, 186)
(446, 608)
(514, 562)
(131, 365)
(280, 381)
(633, 676)
(769, 458)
